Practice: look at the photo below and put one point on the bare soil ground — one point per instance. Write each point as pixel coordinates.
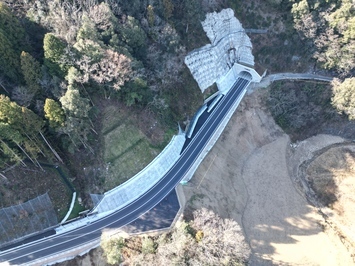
(247, 177)
(331, 175)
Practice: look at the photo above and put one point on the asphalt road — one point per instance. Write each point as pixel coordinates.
(24, 255)
(160, 217)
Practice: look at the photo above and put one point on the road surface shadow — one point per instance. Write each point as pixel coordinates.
(160, 217)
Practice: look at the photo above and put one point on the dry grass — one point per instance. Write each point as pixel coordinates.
(332, 176)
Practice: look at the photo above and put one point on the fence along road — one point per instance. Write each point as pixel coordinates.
(34, 253)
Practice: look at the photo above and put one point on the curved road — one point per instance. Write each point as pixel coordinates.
(56, 244)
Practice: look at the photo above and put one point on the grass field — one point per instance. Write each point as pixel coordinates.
(127, 150)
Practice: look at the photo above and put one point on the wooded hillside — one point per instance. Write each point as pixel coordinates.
(58, 58)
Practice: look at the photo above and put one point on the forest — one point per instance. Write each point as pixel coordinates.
(59, 58)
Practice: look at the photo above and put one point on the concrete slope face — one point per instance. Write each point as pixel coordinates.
(230, 46)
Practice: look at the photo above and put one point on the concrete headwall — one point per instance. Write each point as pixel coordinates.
(226, 82)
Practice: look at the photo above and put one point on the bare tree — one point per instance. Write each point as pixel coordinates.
(2, 83)
(222, 241)
(114, 68)
(22, 95)
(207, 240)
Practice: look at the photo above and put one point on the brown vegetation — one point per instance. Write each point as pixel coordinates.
(207, 239)
(331, 175)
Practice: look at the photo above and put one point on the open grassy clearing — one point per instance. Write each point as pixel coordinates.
(112, 117)
(127, 150)
(120, 140)
(76, 209)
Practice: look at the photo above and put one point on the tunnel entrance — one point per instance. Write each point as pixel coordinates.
(245, 75)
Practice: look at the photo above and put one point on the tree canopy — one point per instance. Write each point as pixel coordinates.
(31, 70)
(20, 129)
(344, 97)
(193, 243)
(329, 27)
(54, 113)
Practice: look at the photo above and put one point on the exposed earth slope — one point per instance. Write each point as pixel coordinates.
(247, 176)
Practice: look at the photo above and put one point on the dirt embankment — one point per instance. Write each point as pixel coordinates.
(328, 180)
(248, 176)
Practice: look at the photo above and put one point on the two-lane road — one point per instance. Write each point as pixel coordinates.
(57, 244)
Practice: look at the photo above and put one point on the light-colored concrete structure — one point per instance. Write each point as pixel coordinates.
(226, 82)
(230, 48)
(132, 189)
(214, 137)
(136, 186)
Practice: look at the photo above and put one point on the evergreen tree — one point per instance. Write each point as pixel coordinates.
(168, 9)
(77, 123)
(73, 104)
(53, 54)
(9, 58)
(133, 36)
(54, 113)
(12, 28)
(31, 70)
(23, 127)
(150, 15)
(12, 37)
(8, 152)
(88, 30)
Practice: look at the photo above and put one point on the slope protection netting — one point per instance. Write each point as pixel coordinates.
(32, 216)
